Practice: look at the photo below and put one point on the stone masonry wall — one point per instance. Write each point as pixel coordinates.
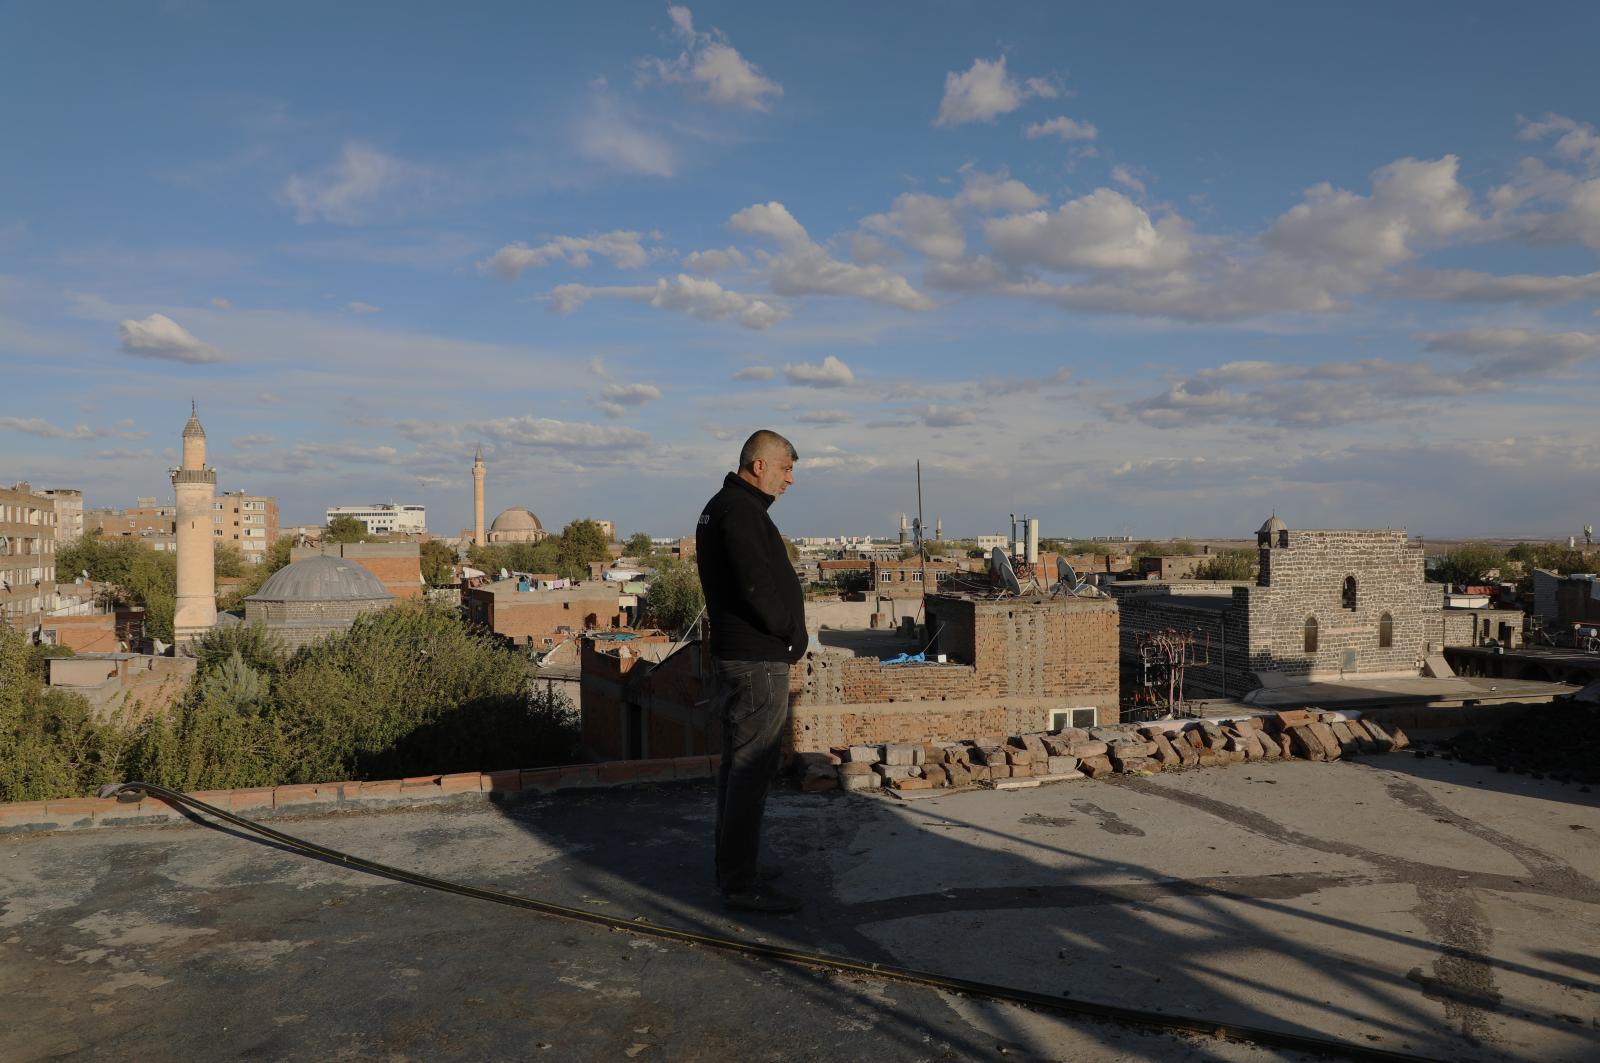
(1306, 579)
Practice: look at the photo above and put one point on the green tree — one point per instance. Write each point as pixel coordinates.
(580, 543)
(227, 561)
(1469, 563)
(50, 743)
(345, 530)
(674, 598)
(1238, 564)
(1182, 548)
(438, 563)
(638, 545)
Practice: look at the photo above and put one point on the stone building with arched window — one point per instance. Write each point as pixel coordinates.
(1325, 604)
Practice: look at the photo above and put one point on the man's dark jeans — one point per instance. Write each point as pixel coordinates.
(754, 700)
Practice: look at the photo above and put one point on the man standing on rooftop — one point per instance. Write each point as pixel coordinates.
(758, 629)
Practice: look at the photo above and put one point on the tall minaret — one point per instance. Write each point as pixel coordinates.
(194, 484)
(905, 529)
(479, 471)
(938, 529)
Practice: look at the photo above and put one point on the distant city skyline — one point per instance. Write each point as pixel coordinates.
(1150, 271)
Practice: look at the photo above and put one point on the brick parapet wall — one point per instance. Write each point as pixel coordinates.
(818, 728)
(319, 798)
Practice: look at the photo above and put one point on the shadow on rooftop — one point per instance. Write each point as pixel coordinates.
(1117, 931)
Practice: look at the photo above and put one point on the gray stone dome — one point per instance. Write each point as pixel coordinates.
(1273, 526)
(321, 579)
(516, 519)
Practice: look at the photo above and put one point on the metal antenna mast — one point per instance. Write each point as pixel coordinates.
(922, 551)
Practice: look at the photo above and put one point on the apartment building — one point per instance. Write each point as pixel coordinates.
(27, 555)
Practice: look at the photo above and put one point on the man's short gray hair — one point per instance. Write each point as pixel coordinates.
(760, 443)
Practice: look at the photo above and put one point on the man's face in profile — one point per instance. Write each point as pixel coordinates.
(773, 474)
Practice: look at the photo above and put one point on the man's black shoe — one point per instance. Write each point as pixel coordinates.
(762, 899)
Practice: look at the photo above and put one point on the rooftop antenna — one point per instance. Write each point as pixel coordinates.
(1000, 565)
(921, 553)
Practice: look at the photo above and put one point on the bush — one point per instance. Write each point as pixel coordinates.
(406, 691)
(1229, 565)
(675, 597)
(50, 744)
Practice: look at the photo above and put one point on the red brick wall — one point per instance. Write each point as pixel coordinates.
(401, 576)
(85, 634)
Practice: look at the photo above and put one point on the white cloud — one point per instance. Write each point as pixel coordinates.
(985, 91)
(829, 373)
(158, 336)
(609, 136)
(714, 260)
(1502, 355)
(361, 308)
(544, 433)
(934, 225)
(220, 303)
(616, 399)
(1013, 385)
(624, 248)
(947, 417)
(826, 417)
(1125, 177)
(1471, 286)
(1414, 204)
(773, 221)
(361, 185)
(38, 426)
(755, 372)
(1575, 140)
(1104, 230)
(1063, 128)
(696, 296)
(804, 268)
(714, 67)
(1296, 396)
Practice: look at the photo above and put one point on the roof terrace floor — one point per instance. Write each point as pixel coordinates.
(1418, 905)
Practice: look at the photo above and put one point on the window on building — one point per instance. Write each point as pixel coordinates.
(1311, 634)
(1349, 592)
(1385, 631)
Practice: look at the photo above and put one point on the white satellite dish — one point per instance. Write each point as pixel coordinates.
(1069, 582)
(1000, 565)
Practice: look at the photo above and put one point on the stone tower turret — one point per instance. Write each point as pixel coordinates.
(479, 471)
(194, 484)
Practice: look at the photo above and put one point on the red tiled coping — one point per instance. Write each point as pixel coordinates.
(303, 798)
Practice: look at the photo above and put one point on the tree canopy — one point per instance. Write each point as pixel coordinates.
(675, 597)
(1237, 564)
(344, 529)
(1469, 563)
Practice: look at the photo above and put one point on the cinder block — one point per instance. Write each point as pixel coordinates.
(1083, 750)
(1398, 737)
(863, 755)
(855, 768)
(869, 780)
(894, 771)
(936, 774)
(1062, 765)
(1295, 718)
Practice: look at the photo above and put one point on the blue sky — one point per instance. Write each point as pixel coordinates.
(1158, 269)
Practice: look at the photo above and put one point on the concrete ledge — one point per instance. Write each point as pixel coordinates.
(301, 799)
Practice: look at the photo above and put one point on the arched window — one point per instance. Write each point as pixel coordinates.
(1385, 631)
(1349, 592)
(1311, 634)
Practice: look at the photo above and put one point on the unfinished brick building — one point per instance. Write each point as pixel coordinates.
(1325, 604)
(1012, 665)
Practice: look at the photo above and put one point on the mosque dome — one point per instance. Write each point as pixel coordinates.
(321, 579)
(516, 519)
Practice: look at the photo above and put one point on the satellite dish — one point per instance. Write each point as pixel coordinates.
(504, 574)
(1069, 577)
(1000, 565)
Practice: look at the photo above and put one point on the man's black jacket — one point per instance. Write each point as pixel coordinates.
(758, 611)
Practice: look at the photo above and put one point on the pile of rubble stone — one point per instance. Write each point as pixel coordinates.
(1075, 753)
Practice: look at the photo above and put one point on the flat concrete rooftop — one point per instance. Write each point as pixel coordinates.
(1358, 691)
(1418, 905)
